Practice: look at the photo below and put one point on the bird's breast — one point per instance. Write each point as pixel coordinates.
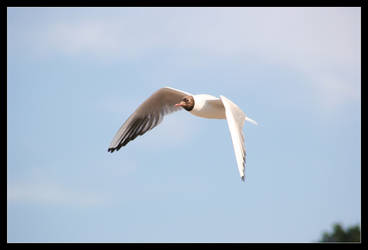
(207, 106)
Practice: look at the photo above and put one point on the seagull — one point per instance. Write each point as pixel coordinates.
(167, 100)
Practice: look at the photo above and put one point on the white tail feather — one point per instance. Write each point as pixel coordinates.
(250, 120)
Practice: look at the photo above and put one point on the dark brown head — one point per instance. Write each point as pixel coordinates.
(187, 103)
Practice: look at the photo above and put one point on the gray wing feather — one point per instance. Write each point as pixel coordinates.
(147, 116)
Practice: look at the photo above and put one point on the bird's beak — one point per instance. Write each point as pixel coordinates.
(179, 104)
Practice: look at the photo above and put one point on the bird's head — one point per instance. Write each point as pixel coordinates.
(187, 102)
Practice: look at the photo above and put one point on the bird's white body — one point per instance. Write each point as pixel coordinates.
(208, 106)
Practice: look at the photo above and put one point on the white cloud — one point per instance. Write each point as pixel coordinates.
(272, 32)
(52, 193)
(45, 185)
(333, 89)
(318, 42)
(83, 36)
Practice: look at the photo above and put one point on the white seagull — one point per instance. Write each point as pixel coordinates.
(166, 100)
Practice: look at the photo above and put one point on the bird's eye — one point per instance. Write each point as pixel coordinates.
(185, 99)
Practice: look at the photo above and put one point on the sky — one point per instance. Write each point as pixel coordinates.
(76, 74)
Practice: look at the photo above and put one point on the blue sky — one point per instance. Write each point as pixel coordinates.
(76, 74)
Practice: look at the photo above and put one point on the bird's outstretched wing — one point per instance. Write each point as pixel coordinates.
(235, 119)
(147, 116)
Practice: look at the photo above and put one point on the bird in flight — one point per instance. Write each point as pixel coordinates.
(167, 100)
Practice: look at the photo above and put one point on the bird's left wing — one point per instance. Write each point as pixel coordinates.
(235, 119)
(147, 116)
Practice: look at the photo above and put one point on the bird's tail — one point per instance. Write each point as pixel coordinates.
(251, 120)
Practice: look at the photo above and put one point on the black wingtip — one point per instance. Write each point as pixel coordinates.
(111, 150)
(243, 179)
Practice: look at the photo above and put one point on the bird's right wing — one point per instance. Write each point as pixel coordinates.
(235, 119)
(147, 116)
